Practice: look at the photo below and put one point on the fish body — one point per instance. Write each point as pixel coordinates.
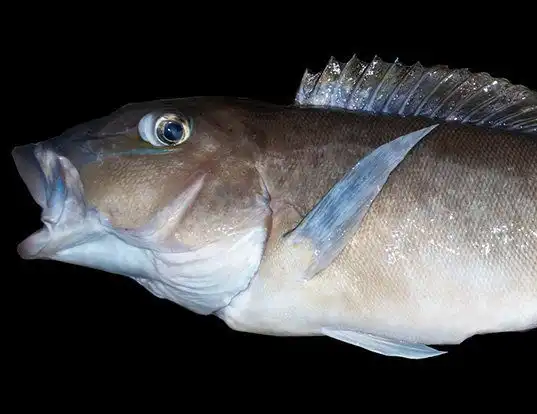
(391, 206)
(433, 259)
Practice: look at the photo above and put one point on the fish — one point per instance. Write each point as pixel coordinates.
(389, 206)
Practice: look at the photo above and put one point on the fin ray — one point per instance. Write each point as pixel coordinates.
(328, 226)
(383, 346)
(436, 92)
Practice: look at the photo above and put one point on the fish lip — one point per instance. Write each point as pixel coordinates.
(31, 172)
(42, 173)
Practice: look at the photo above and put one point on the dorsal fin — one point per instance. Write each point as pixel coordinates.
(436, 92)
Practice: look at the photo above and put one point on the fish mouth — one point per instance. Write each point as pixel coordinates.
(30, 171)
(54, 184)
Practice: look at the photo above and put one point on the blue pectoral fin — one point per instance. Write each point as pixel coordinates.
(329, 225)
(383, 346)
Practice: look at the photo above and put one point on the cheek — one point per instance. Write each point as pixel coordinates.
(230, 202)
(129, 191)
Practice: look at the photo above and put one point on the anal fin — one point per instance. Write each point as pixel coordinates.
(383, 346)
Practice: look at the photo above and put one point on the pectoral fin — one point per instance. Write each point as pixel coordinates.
(329, 225)
(384, 346)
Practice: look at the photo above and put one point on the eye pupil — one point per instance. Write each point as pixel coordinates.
(173, 131)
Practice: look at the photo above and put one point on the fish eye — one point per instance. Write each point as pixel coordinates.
(164, 129)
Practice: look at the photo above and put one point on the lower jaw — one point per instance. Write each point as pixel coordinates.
(30, 247)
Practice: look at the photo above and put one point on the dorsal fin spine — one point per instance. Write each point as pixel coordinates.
(414, 88)
(505, 119)
(469, 98)
(503, 107)
(436, 92)
(466, 74)
(478, 108)
(349, 67)
(360, 80)
(381, 83)
(526, 122)
(395, 89)
(428, 97)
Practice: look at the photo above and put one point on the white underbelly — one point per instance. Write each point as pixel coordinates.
(411, 302)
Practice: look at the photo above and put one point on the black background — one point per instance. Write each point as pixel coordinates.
(75, 65)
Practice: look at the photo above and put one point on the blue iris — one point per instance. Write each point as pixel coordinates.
(173, 131)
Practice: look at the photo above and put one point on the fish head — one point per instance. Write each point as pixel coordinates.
(164, 192)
